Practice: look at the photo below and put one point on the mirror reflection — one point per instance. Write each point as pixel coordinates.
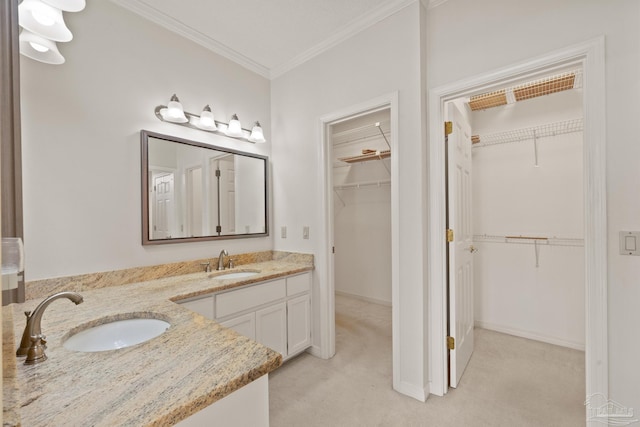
(194, 191)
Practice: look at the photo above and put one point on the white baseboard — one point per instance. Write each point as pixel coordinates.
(316, 351)
(363, 298)
(529, 335)
(412, 391)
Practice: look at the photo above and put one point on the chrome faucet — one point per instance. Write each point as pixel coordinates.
(33, 342)
(223, 253)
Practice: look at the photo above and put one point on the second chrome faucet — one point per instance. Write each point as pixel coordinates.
(223, 253)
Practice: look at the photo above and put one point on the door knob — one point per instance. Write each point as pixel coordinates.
(473, 249)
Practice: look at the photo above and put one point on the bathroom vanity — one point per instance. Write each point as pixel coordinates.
(199, 372)
(276, 313)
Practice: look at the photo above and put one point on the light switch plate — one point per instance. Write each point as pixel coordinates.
(305, 232)
(630, 243)
(283, 232)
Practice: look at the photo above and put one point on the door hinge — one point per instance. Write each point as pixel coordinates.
(451, 343)
(449, 235)
(448, 128)
(218, 173)
(333, 249)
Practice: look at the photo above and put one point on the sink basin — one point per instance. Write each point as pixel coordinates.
(115, 335)
(235, 275)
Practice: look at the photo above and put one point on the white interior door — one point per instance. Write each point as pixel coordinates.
(162, 218)
(461, 248)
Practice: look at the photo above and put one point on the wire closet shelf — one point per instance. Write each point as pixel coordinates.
(530, 133)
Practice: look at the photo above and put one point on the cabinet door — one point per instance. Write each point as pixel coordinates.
(202, 306)
(271, 327)
(244, 325)
(299, 323)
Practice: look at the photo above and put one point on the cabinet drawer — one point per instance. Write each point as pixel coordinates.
(243, 299)
(298, 284)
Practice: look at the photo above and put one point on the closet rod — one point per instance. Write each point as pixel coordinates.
(529, 240)
(535, 132)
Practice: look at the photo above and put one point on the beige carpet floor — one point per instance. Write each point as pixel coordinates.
(509, 381)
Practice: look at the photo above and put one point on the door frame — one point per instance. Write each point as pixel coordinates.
(326, 347)
(591, 56)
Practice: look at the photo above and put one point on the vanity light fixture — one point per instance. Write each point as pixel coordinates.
(206, 121)
(67, 5)
(43, 25)
(256, 133)
(235, 128)
(43, 20)
(174, 113)
(35, 47)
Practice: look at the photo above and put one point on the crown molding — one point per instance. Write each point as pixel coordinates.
(183, 30)
(354, 27)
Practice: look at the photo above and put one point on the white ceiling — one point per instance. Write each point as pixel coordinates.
(267, 36)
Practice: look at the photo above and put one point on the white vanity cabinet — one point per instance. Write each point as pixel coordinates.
(275, 313)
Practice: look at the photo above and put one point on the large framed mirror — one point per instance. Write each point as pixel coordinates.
(193, 191)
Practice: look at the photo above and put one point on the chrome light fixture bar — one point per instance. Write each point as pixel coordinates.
(174, 113)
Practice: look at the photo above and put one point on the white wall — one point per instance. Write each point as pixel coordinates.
(382, 59)
(495, 33)
(513, 197)
(80, 135)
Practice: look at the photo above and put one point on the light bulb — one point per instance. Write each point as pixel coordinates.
(207, 121)
(235, 129)
(38, 47)
(256, 133)
(174, 112)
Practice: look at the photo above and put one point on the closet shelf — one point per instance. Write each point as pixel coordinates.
(529, 240)
(373, 155)
(541, 131)
(362, 184)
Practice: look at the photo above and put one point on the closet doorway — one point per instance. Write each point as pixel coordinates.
(516, 214)
(590, 57)
(362, 207)
(370, 179)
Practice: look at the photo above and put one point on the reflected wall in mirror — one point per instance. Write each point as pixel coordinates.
(193, 191)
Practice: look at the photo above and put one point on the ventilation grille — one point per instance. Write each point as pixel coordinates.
(488, 100)
(546, 86)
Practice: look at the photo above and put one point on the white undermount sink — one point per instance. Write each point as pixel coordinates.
(116, 334)
(235, 275)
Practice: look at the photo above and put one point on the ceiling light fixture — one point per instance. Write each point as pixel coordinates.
(174, 113)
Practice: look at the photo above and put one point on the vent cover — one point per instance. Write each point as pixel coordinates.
(533, 89)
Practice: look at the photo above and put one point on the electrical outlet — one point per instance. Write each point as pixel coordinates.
(305, 232)
(283, 232)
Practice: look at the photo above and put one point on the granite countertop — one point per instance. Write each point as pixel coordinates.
(156, 383)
